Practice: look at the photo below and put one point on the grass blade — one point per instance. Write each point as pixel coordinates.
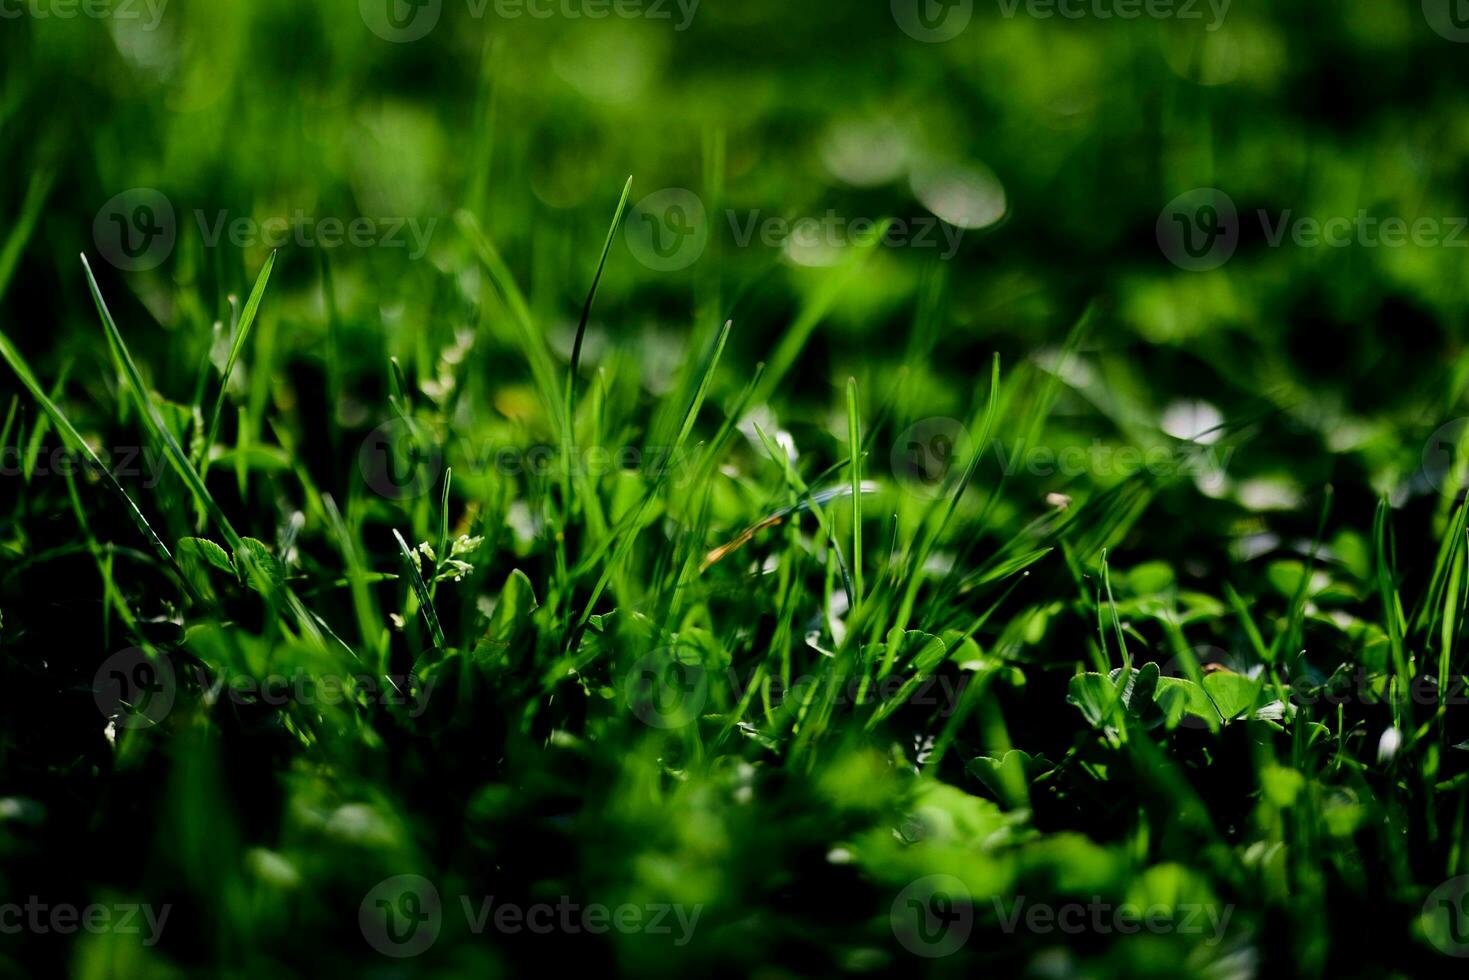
(242, 333)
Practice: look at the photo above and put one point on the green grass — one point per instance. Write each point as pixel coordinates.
(869, 612)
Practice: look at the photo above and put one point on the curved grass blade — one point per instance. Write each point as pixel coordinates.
(425, 601)
(152, 417)
(74, 438)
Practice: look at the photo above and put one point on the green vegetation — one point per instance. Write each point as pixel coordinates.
(982, 499)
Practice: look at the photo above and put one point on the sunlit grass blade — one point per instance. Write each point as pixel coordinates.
(75, 441)
(153, 419)
(242, 333)
(420, 589)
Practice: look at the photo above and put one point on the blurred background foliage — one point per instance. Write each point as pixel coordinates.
(1325, 366)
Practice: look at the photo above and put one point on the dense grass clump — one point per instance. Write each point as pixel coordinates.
(984, 497)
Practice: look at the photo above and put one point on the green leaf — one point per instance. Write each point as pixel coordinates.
(206, 551)
(1232, 694)
(258, 568)
(510, 620)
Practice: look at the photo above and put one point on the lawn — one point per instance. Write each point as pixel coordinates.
(929, 487)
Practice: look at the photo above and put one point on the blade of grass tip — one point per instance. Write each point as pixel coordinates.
(442, 555)
(568, 416)
(69, 433)
(854, 440)
(586, 310)
(242, 333)
(425, 602)
(153, 419)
